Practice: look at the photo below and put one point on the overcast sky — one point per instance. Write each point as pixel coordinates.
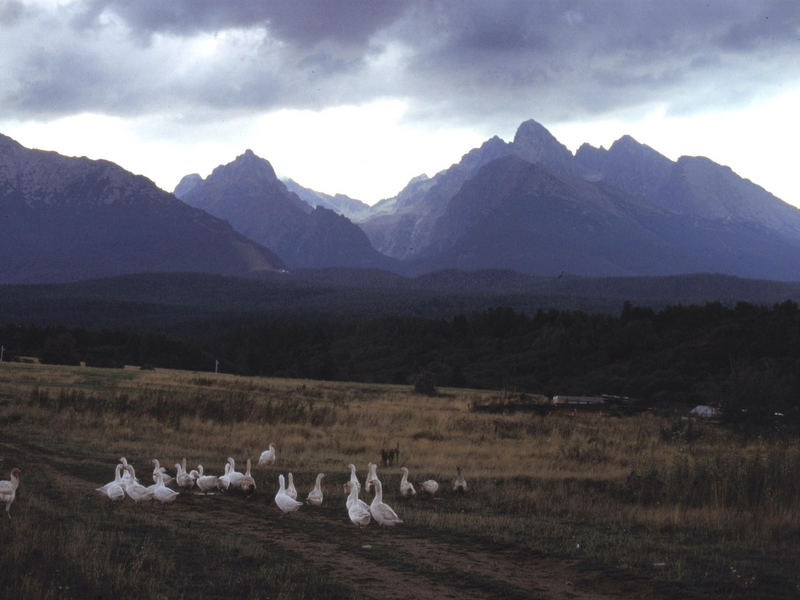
(358, 97)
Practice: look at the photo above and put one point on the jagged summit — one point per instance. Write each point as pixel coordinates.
(248, 164)
(630, 146)
(418, 179)
(535, 144)
(529, 205)
(627, 141)
(186, 184)
(247, 193)
(531, 130)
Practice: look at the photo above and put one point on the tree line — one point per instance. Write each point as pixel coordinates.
(744, 358)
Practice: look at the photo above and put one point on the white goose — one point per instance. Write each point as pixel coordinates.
(459, 483)
(162, 493)
(117, 480)
(357, 509)
(353, 477)
(285, 502)
(115, 492)
(136, 490)
(205, 483)
(268, 456)
(406, 487)
(291, 491)
(234, 475)
(126, 474)
(192, 473)
(8, 489)
(247, 483)
(380, 511)
(182, 478)
(348, 490)
(224, 481)
(430, 486)
(371, 474)
(152, 488)
(158, 469)
(315, 495)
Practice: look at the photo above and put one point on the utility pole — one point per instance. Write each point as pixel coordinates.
(216, 366)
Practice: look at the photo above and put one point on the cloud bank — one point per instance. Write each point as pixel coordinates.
(359, 96)
(459, 61)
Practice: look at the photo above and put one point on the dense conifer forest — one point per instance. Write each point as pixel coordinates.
(743, 358)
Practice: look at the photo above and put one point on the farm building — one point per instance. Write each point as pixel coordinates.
(704, 411)
(579, 400)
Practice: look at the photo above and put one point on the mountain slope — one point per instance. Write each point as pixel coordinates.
(700, 187)
(628, 165)
(691, 186)
(248, 194)
(518, 215)
(403, 227)
(514, 214)
(65, 219)
(661, 217)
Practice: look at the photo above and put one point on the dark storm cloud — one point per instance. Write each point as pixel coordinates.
(571, 60)
(301, 22)
(462, 60)
(773, 24)
(11, 11)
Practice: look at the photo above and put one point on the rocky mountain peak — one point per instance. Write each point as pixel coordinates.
(628, 146)
(628, 165)
(533, 130)
(535, 144)
(418, 179)
(626, 142)
(251, 164)
(490, 150)
(187, 184)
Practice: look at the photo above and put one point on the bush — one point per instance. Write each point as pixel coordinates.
(423, 384)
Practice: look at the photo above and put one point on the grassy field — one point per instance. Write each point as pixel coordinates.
(563, 505)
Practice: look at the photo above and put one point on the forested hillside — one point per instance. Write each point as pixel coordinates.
(744, 358)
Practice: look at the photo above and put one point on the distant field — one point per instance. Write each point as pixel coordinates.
(583, 505)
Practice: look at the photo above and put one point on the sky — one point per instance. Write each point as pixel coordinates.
(359, 97)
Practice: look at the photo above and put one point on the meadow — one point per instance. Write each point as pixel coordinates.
(562, 504)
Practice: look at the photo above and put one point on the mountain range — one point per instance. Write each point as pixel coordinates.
(531, 205)
(248, 194)
(67, 219)
(528, 205)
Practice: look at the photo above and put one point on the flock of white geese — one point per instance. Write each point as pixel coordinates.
(126, 484)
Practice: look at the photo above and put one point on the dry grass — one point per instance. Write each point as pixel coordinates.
(689, 504)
